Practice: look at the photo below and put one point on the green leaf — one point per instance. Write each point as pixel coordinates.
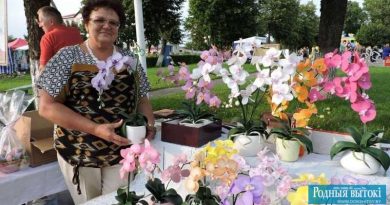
(235, 130)
(171, 196)
(280, 131)
(366, 138)
(356, 135)
(156, 188)
(379, 155)
(306, 141)
(341, 146)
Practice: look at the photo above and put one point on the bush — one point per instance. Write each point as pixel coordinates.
(188, 59)
(151, 61)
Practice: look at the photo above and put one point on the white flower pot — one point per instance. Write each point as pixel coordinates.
(287, 150)
(136, 134)
(249, 145)
(353, 161)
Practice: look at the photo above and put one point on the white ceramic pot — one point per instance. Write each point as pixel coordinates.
(249, 145)
(136, 134)
(353, 161)
(287, 150)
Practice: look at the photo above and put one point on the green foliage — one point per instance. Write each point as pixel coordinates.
(307, 26)
(157, 189)
(193, 113)
(128, 198)
(354, 17)
(202, 196)
(223, 21)
(377, 30)
(363, 143)
(287, 132)
(282, 18)
(373, 34)
(188, 59)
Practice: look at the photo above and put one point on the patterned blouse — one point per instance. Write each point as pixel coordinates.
(67, 77)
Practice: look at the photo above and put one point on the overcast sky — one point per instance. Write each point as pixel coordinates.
(17, 20)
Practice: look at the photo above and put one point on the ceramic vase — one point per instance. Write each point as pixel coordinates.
(287, 150)
(249, 145)
(136, 134)
(360, 163)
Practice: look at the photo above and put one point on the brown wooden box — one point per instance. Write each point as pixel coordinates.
(172, 132)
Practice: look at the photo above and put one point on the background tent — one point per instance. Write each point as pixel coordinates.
(19, 42)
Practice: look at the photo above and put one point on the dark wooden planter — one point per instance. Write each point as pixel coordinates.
(172, 132)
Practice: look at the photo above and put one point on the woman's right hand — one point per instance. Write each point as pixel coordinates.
(107, 132)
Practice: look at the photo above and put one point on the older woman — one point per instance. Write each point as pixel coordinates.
(86, 107)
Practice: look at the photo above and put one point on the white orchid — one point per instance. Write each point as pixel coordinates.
(246, 94)
(262, 79)
(281, 92)
(238, 57)
(238, 74)
(279, 76)
(271, 55)
(290, 62)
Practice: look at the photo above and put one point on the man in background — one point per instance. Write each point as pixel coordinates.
(56, 36)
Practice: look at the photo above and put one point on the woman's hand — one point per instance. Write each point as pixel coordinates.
(150, 132)
(107, 132)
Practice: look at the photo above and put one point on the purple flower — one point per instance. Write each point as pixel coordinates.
(249, 188)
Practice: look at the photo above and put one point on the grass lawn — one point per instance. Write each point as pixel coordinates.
(333, 114)
(8, 82)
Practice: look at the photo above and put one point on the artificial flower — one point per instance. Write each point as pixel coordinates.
(249, 189)
(300, 197)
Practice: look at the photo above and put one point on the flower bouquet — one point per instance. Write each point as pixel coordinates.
(12, 153)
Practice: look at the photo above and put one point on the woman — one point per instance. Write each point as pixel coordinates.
(87, 115)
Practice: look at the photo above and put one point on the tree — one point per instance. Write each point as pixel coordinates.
(11, 38)
(307, 26)
(331, 24)
(220, 22)
(281, 17)
(377, 29)
(34, 35)
(373, 34)
(354, 17)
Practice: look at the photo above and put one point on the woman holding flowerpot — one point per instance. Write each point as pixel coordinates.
(83, 90)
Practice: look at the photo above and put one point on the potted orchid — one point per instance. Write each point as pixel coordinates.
(361, 157)
(273, 77)
(193, 117)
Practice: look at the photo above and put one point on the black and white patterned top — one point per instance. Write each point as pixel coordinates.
(58, 70)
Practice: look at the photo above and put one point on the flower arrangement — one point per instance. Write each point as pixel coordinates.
(197, 86)
(137, 156)
(353, 87)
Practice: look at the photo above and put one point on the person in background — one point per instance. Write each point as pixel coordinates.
(87, 117)
(56, 36)
(386, 51)
(343, 46)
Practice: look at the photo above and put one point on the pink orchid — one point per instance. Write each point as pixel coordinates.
(332, 60)
(204, 55)
(365, 81)
(349, 91)
(355, 71)
(315, 95)
(203, 96)
(366, 110)
(149, 157)
(215, 102)
(184, 74)
(345, 61)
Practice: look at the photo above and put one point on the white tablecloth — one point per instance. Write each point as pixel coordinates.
(312, 163)
(31, 183)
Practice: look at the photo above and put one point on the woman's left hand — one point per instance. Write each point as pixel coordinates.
(150, 132)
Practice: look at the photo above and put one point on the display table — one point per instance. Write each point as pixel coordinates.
(31, 183)
(312, 163)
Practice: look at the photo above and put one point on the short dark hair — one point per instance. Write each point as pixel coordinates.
(115, 5)
(49, 11)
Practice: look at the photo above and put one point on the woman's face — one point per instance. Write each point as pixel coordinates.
(103, 25)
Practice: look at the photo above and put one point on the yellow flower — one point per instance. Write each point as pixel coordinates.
(277, 110)
(310, 178)
(300, 197)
